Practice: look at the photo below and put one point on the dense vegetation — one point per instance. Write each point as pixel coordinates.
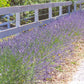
(6, 3)
(35, 54)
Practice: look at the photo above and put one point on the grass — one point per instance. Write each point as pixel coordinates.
(73, 63)
(59, 68)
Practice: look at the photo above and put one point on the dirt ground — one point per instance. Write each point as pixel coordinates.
(71, 65)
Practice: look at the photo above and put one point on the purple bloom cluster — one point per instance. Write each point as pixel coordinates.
(33, 55)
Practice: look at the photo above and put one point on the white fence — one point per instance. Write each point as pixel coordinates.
(18, 9)
(78, 2)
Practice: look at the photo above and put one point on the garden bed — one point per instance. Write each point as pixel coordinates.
(44, 54)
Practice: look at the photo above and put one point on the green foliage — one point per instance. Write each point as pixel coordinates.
(59, 68)
(29, 2)
(4, 3)
(11, 69)
(73, 63)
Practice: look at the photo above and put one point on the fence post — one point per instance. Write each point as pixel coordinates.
(8, 18)
(74, 6)
(60, 10)
(50, 12)
(17, 19)
(69, 9)
(36, 15)
(80, 6)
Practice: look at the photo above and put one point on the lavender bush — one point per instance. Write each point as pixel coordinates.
(33, 55)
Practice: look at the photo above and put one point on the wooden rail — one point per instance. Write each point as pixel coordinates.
(78, 2)
(18, 9)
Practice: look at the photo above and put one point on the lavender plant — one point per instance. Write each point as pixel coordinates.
(33, 55)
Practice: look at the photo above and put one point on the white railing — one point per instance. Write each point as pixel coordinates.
(8, 21)
(18, 9)
(78, 2)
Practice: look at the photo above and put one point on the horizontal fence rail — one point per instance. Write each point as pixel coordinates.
(79, 2)
(35, 8)
(16, 9)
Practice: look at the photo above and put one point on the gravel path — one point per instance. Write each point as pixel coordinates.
(78, 77)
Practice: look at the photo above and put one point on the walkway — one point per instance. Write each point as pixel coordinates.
(78, 77)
